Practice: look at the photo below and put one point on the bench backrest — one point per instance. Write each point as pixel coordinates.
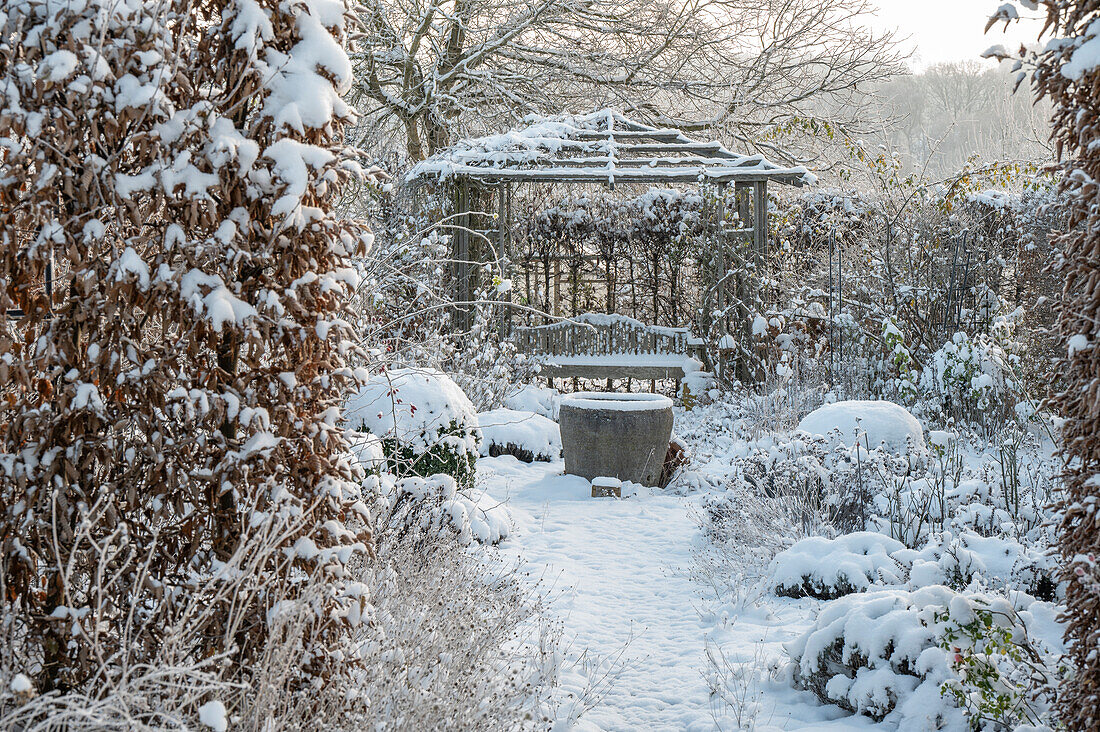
(596, 334)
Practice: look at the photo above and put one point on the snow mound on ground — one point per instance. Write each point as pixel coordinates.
(884, 422)
(524, 434)
(417, 407)
(829, 568)
(531, 398)
(213, 715)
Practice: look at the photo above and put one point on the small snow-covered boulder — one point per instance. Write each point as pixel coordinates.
(426, 423)
(830, 568)
(523, 434)
(883, 422)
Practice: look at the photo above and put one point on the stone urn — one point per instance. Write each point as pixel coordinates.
(622, 436)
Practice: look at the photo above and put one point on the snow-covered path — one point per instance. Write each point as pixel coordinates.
(620, 568)
(618, 575)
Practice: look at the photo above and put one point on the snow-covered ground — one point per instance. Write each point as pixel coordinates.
(655, 639)
(635, 619)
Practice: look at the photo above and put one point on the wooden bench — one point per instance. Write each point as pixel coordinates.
(598, 346)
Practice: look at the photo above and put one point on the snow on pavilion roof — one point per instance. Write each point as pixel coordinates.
(601, 146)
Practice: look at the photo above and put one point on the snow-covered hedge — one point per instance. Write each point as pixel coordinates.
(931, 658)
(426, 423)
(829, 568)
(525, 435)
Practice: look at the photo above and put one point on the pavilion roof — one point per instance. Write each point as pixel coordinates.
(603, 146)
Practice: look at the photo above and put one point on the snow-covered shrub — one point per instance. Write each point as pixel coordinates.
(840, 485)
(900, 358)
(898, 655)
(542, 400)
(459, 639)
(1004, 679)
(425, 422)
(829, 568)
(436, 505)
(992, 562)
(968, 376)
(524, 435)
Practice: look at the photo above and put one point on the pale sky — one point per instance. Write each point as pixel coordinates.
(950, 30)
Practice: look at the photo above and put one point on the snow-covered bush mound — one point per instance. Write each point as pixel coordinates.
(996, 562)
(436, 504)
(883, 422)
(525, 435)
(541, 400)
(829, 568)
(426, 424)
(924, 659)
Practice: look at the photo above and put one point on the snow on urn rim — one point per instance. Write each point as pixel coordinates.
(614, 401)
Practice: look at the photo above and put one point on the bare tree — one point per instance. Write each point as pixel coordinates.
(432, 68)
(941, 117)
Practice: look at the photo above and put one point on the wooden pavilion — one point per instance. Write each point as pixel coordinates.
(605, 148)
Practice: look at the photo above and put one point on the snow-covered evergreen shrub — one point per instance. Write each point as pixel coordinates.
(830, 568)
(524, 435)
(425, 422)
(904, 656)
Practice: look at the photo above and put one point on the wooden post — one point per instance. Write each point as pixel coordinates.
(759, 219)
(743, 194)
(760, 249)
(461, 252)
(721, 300)
(504, 255)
